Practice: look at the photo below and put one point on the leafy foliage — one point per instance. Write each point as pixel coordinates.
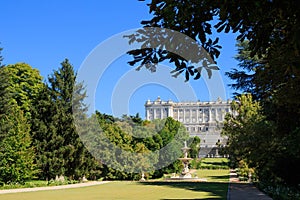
(270, 26)
(25, 83)
(132, 145)
(158, 45)
(254, 140)
(16, 154)
(195, 147)
(276, 87)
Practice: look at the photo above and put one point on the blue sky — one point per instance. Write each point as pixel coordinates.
(44, 33)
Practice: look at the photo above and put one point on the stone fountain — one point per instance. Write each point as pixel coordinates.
(185, 161)
(185, 174)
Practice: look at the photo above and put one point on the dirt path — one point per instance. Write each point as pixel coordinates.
(244, 191)
(90, 183)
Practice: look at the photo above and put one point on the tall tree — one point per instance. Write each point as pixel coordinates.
(242, 128)
(46, 139)
(254, 139)
(16, 153)
(67, 95)
(276, 88)
(59, 149)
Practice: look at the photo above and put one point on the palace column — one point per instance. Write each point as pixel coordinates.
(147, 114)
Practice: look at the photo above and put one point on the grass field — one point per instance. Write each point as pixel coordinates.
(214, 162)
(215, 188)
(219, 175)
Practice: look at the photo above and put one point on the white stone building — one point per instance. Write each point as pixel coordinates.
(202, 119)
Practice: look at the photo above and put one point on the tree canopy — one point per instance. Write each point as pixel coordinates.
(25, 84)
(272, 28)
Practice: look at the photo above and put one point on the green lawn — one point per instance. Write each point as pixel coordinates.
(216, 187)
(217, 162)
(218, 175)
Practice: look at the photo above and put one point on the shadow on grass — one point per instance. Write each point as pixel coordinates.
(219, 190)
(224, 177)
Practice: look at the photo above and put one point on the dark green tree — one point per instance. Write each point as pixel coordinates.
(60, 150)
(276, 88)
(46, 139)
(68, 95)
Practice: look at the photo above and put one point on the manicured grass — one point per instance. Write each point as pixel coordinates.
(214, 162)
(218, 175)
(215, 188)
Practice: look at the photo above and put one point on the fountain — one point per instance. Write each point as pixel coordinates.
(185, 161)
(185, 174)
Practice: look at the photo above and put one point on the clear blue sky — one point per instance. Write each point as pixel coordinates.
(44, 33)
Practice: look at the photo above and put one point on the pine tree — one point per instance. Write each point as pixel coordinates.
(76, 159)
(45, 138)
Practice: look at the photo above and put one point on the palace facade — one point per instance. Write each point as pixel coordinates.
(202, 119)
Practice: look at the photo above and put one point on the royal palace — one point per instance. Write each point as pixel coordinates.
(202, 119)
